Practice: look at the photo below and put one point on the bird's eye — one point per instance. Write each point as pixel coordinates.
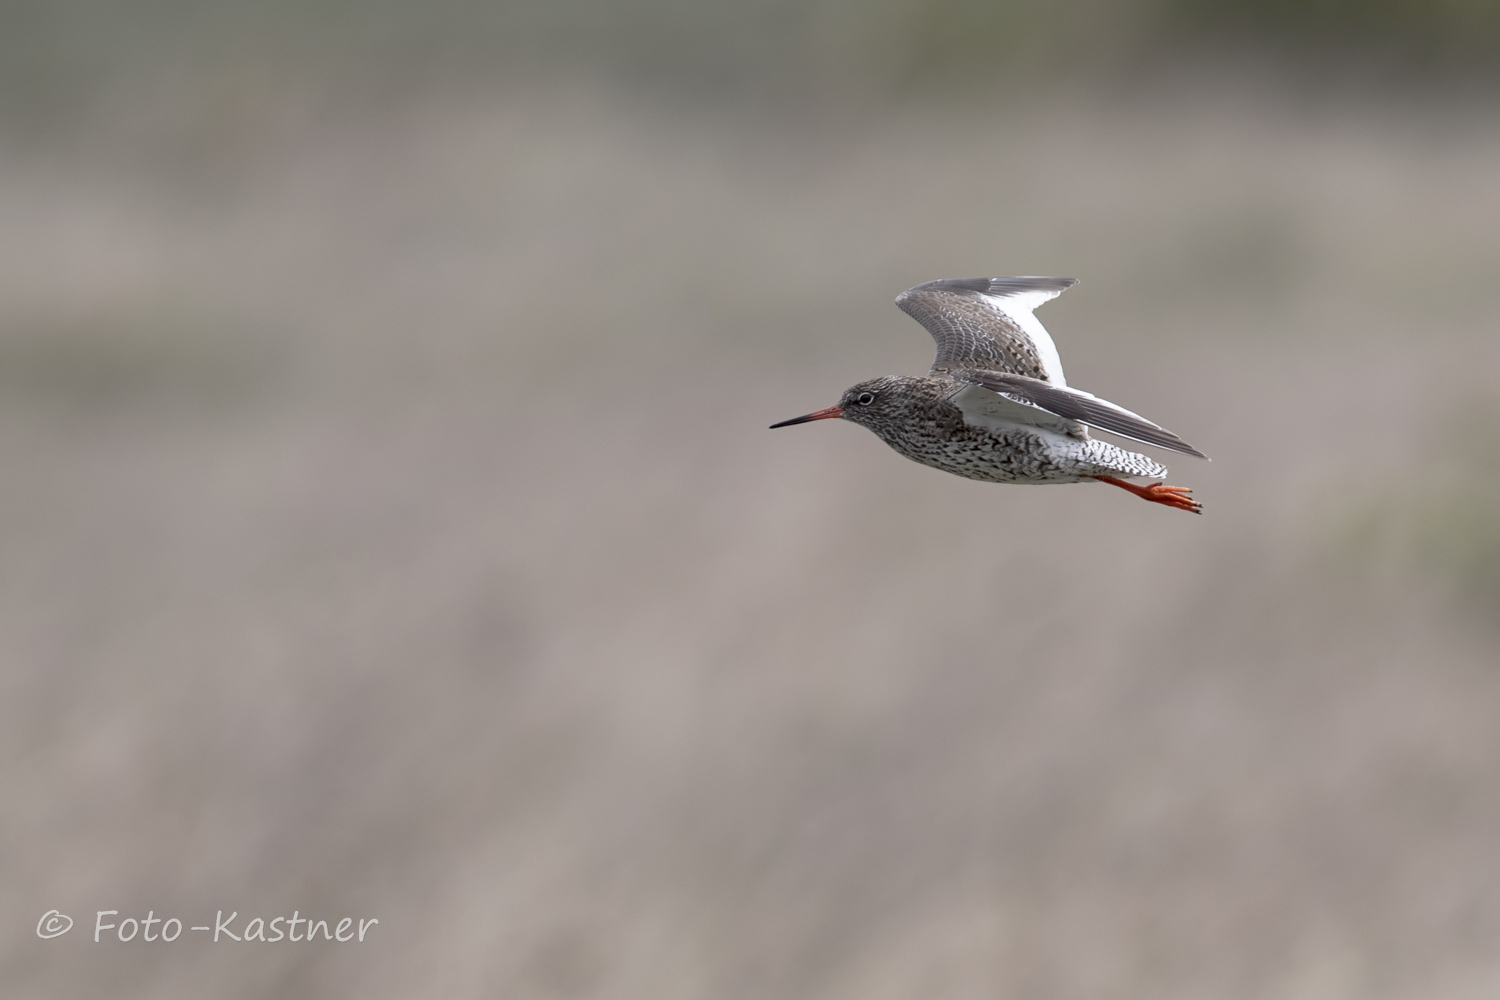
(866, 398)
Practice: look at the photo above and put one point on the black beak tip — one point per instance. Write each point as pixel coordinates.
(829, 413)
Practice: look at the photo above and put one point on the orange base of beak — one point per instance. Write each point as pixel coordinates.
(828, 414)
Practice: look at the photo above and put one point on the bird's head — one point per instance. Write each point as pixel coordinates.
(867, 403)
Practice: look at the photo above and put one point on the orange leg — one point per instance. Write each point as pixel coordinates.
(1173, 496)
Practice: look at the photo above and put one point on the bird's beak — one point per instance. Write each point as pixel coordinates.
(828, 414)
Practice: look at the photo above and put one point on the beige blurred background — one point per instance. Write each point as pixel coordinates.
(389, 527)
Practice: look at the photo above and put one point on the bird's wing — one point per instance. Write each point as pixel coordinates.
(1074, 404)
(987, 323)
(984, 407)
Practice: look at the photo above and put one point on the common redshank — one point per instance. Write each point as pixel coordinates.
(995, 405)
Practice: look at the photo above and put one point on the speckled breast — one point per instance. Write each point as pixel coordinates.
(1013, 456)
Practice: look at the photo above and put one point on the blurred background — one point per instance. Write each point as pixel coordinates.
(390, 527)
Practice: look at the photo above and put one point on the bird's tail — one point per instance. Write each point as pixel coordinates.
(1114, 461)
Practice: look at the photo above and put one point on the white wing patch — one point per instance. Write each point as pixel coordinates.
(1017, 307)
(992, 411)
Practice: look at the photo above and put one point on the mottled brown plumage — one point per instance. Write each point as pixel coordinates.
(996, 406)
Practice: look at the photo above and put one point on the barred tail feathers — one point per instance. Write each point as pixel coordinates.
(1113, 460)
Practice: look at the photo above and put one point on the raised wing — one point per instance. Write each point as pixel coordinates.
(987, 323)
(1075, 404)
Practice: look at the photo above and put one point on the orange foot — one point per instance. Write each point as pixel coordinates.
(1173, 496)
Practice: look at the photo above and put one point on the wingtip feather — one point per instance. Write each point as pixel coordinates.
(996, 286)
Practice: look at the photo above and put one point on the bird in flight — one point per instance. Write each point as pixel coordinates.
(995, 405)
